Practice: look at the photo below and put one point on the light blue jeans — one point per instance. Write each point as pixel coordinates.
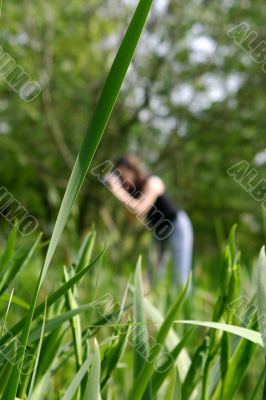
(181, 245)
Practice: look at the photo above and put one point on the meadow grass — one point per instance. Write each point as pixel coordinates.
(89, 340)
(78, 341)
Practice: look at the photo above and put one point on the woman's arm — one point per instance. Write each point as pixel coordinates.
(153, 188)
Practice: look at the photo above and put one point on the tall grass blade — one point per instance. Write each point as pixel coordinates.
(141, 337)
(15, 300)
(18, 263)
(261, 294)
(158, 377)
(75, 322)
(11, 390)
(85, 252)
(6, 313)
(146, 372)
(238, 365)
(245, 333)
(92, 390)
(176, 394)
(49, 351)
(140, 330)
(56, 322)
(183, 361)
(114, 354)
(98, 123)
(37, 355)
(74, 385)
(50, 300)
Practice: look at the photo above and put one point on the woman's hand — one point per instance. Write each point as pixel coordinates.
(113, 182)
(141, 205)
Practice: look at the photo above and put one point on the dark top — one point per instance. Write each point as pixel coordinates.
(162, 214)
(163, 209)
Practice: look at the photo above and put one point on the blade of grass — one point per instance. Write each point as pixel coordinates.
(50, 300)
(261, 300)
(18, 264)
(245, 333)
(183, 361)
(15, 300)
(73, 387)
(259, 386)
(37, 355)
(176, 394)
(85, 252)
(92, 390)
(140, 336)
(238, 365)
(98, 123)
(159, 377)
(49, 353)
(145, 374)
(261, 294)
(54, 323)
(75, 322)
(11, 390)
(114, 354)
(6, 313)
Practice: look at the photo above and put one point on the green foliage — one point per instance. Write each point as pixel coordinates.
(189, 142)
(88, 349)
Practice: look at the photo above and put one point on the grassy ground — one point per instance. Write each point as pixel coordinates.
(91, 337)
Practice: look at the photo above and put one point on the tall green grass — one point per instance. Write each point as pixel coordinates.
(99, 347)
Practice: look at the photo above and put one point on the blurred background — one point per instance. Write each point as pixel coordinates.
(192, 106)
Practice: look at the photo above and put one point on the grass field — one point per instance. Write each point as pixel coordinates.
(97, 333)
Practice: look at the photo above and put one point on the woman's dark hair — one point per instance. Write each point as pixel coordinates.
(133, 164)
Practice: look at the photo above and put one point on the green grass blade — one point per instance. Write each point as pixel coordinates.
(98, 123)
(75, 322)
(261, 294)
(194, 374)
(245, 333)
(114, 354)
(146, 372)
(259, 386)
(238, 365)
(73, 387)
(11, 390)
(92, 390)
(18, 264)
(140, 330)
(50, 300)
(158, 377)
(85, 252)
(49, 352)
(176, 394)
(54, 323)
(183, 361)
(15, 300)
(37, 355)
(6, 313)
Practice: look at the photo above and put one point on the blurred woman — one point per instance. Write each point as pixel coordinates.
(144, 195)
